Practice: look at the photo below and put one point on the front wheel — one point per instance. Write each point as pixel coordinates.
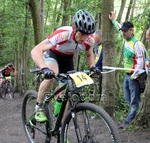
(10, 90)
(35, 132)
(94, 125)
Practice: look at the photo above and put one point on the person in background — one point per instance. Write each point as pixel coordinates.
(98, 49)
(98, 55)
(60, 47)
(6, 71)
(148, 35)
(134, 58)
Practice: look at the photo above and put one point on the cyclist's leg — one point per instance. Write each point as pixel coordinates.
(1, 80)
(46, 84)
(45, 87)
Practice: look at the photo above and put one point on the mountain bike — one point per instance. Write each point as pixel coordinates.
(7, 91)
(83, 123)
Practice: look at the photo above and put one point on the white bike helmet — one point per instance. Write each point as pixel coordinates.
(84, 22)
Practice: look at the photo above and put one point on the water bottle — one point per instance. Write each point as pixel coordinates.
(57, 106)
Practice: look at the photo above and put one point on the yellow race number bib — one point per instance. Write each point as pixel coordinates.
(81, 79)
(8, 77)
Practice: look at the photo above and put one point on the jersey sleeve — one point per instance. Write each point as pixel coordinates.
(89, 43)
(140, 58)
(59, 37)
(117, 26)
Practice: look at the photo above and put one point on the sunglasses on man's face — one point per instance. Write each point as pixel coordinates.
(126, 30)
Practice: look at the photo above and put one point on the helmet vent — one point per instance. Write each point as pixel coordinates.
(84, 22)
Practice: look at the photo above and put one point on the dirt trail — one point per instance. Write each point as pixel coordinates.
(11, 129)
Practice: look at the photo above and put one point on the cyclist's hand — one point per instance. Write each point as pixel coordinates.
(96, 70)
(48, 74)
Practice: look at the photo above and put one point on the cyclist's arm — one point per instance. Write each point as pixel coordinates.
(3, 70)
(90, 58)
(37, 52)
(14, 71)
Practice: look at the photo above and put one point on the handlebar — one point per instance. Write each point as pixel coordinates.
(61, 76)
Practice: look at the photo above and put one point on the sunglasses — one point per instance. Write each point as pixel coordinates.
(126, 30)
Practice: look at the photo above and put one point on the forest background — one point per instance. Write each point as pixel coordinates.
(27, 22)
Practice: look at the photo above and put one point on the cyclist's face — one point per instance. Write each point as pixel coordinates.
(10, 66)
(81, 37)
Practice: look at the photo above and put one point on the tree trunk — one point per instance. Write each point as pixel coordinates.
(35, 11)
(129, 10)
(120, 49)
(42, 17)
(24, 64)
(123, 3)
(132, 11)
(65, 18)
(109, 89)
(117, 73)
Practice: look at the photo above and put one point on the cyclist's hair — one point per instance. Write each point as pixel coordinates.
(98, 33)
(84, 22)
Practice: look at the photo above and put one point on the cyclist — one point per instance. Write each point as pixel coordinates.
(59, 49)
(6, 71)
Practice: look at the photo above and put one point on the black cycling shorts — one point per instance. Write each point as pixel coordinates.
(65, 63)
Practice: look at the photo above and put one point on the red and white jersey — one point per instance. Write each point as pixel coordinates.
(64, 42)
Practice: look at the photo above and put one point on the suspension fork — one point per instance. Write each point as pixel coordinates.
(74, 117)
(86, 123)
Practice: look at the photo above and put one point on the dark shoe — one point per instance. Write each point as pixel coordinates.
(124, 125)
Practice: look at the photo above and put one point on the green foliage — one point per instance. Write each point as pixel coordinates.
(83, 65)
(12, 23)
(12, 28)
(121, 108)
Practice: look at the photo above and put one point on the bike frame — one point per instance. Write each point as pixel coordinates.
(69, 91)
(74, 98)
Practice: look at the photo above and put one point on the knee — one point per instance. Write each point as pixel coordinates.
(50, 81)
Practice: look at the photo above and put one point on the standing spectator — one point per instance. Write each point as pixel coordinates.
(98, 55)
(134, 58)
(98, 49)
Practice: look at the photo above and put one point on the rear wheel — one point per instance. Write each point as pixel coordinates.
(35, 132)
(93, 124)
